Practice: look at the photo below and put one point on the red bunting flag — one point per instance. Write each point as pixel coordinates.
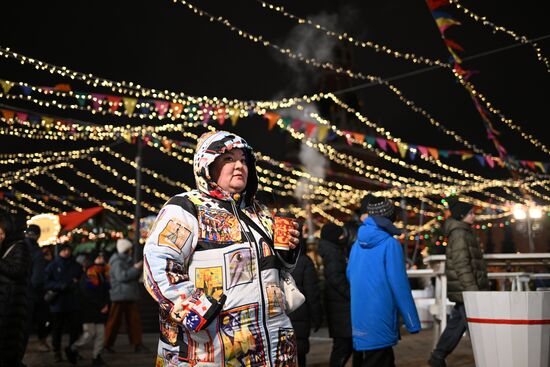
(435, 4)
(393, 145)
(62, 87)
(114, 102)
(96, 100)
(310, 127)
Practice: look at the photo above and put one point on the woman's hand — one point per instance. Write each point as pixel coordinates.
(294, 237)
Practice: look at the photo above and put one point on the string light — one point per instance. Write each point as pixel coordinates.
(349, 39)
(483, 20)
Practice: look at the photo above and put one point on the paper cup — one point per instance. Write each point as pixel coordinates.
(281, 232)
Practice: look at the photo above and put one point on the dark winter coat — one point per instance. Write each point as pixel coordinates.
(465, 268)
(63, 276)
(310, 313)
(124, 278)
(94, 294)
(36, 274)
(336, 289)
(13, 301)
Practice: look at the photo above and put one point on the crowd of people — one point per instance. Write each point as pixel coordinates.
(46, 291)
(211, 264)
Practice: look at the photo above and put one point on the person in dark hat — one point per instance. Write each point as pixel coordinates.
(333, 251)
(379, 287)
(465, 270)
(35, 286)
(62, 278)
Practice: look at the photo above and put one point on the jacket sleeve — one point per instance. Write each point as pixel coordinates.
(335, 273)
(460, 255)
(37, 270)
(167, 253)
(399, 284)
(122, 273)
(50, 281)
(15, 265)
(312, 293)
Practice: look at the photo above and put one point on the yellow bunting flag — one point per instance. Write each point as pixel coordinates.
(129, 105)
(234, 116)
(47, 122)
(6, 85)
(127, 137)
(322, 132)
(272, 119)
(541, 166)
(466, 156)
(403, 147)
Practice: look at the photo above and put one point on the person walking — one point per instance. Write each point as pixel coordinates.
(124, 276)
(336, 292)
(310, 313)
(379, 288)
(61, 284)
(14, 269)
(211, 264)
(94, 303)
(465, 270)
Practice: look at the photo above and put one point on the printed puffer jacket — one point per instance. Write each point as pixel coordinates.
(208, 248)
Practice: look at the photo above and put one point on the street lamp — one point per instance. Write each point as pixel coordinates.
(529, 212)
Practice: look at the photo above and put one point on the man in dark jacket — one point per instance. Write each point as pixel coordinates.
(310, 313)
(465, 270)
(62, 277)
(336, 293)
(35, 286)
(14, 266)
(124, 275)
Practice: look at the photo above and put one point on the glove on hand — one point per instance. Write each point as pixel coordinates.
(203, 310)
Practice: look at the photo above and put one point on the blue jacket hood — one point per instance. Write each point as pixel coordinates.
(377, 230)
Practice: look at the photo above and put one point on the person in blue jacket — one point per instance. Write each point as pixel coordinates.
(379, 287)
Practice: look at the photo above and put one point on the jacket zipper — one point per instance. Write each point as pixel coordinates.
(253, 243)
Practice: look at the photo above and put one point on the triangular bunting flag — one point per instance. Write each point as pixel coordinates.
(8, 114)
(434, 4)
(287, 121)
(444, 153)
(161, 107)
(490, 161)
(393, 145)
(359, 138)
(221, 115)
(21, 116)
(80, 98)
(382, 143)
(297, 124)
(481, 159)
(423, 150)
(403, 147)
(322, 132)
(371, 140)
(530, 164)
(62, 87)
(176, 109)
(96, 100)
(412, 152)
(234, 116)
(47, 122)
(349, 137)
(310, 127)
(114, 102)
(434, 153)
(466, 156)
(540, 166)
(206, 114)
(272, 119)
(129, 105)
(6, 85)
(452, 44)
(26, 90)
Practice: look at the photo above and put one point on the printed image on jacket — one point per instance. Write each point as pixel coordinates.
(209, 262)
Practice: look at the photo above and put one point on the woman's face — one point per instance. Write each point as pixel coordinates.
(229, 171)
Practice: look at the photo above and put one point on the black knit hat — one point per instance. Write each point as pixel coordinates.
(34, 229)
(365, 202)
(331, 232)
(381, 207)
(459, 209)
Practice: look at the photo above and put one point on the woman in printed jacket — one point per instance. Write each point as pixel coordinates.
(210, 263)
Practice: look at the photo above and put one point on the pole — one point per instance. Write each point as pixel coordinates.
(530, 234)
(138, 253)
(417, 243)
(405, 221)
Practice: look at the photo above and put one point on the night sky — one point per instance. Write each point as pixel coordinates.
(163, 45)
